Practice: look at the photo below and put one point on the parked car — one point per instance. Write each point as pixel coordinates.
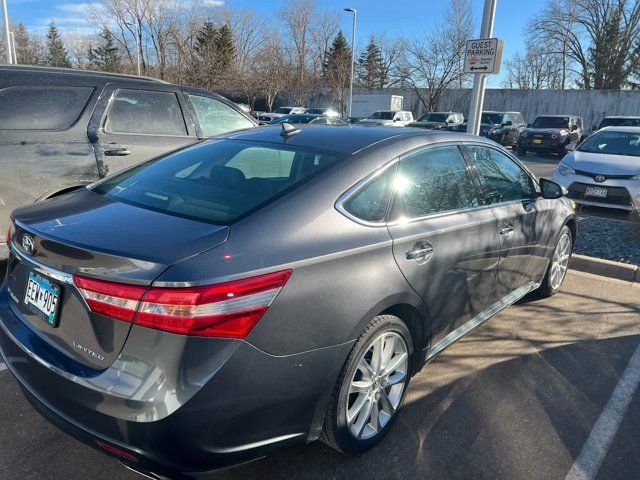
(307, 118)
(617, 122)
(388, 118)
(268, 288)
(551, 134)
(501, 127)
(280, 112)
(438, 120)
(604, 170)
(327, 112)
(63, 128)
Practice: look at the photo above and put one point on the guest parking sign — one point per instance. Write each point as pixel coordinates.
(483, 55)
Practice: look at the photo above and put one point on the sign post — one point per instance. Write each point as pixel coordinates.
(482, 57)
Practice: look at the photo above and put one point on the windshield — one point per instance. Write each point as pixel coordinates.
(433, 117)
(494, 118)
(284, 110)
(612, 143)
(216, 182)
(620, 122)
(383, 116)
(316, 111)
(551, 122)
(294, 119)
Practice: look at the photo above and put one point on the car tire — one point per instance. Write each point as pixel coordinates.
(352, 407)
(557, 270)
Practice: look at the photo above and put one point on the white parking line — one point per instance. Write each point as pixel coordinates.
(603, 432)
(2, 366)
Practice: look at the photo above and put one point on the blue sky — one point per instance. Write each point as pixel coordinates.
(406, 17)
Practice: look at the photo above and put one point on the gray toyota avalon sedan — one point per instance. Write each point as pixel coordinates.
(268, 287)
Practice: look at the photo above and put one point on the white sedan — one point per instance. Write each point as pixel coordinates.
(604, 170)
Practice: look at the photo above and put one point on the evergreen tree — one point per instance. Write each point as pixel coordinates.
(370, 68)
(338, 58)
(206, 42)
(337, 68)
(225, 50)
(57, 55)
(105, 55)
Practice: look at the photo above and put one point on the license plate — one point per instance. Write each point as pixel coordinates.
(537, 140)
(42, 297)
(595, 192)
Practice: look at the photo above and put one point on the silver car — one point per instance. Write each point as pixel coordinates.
(604, 170)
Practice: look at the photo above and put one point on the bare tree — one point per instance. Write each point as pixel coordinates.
(459, 27)
(267, 69)
(533, 70)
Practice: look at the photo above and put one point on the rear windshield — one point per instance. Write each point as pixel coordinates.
(216, 182)
(612, 143)
(620, 122)
(284, 110)
(383, 115)
(551, 122)
(433, 117)
(492, 118)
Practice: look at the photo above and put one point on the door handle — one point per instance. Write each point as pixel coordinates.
(420, 252)
(117, 152)
(506, 230)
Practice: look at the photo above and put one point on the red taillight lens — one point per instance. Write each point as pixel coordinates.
(117, 450)
(229, 309)
(112, 299)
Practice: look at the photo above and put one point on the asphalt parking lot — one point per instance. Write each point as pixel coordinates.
(523, 396)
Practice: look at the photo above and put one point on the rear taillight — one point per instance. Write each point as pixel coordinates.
(115, 300)
(228, 309)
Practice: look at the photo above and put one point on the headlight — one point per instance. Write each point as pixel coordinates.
(555, 136)
(524, 134)
(565, 169)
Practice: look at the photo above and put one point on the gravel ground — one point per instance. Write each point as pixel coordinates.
(610, 239)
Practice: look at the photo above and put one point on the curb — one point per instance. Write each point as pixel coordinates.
(605, 268)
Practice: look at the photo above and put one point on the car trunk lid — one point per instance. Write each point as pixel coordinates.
(78, 236)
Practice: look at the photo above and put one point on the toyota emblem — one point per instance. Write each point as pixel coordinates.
(27, 244)
(600, 178)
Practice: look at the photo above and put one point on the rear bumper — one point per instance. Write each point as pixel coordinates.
(247, 403)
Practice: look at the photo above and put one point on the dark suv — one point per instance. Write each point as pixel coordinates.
(63, 128)
(551, 134)
(501, 127)
(439, 120)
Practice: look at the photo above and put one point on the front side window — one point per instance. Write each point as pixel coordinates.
(433, 117)
(382, 116)
(492, 118)
(216, 182)
(41, 108)
(503, 179)
(215, 117)
(145, 112)
(431, 181)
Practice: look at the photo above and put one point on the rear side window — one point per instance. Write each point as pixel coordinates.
(370, 202)
(503, 179)
(216, 182)
(145, 112)
(215, 117)
(42, 108)
(432, 181)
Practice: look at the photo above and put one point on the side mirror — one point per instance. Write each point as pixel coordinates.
(570, 147)
(550, 190)
(574, 128)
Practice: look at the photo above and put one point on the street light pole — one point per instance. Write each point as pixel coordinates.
(13, 49)
(479, 80)
(353, 57)
(7, 36)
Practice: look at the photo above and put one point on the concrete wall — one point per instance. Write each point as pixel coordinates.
(591, 105)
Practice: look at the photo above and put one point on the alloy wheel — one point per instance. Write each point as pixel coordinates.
(560, 261)
(377, 385)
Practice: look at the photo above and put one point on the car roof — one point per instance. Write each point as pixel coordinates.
(44, 70)
(558, 115)
(347, 140)
(621, 129)
(623, 116)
